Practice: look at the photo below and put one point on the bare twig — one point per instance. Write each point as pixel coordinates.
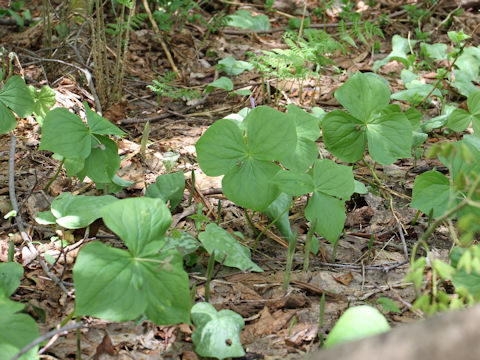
(18, 217)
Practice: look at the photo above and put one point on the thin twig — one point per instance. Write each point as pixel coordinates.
(47, 336)
(18, 217)
(402, 237)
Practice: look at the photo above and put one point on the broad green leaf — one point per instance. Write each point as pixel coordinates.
(45, 218)
(248, 185)
(99, 125)
(168, 187)
(469, 281)
(214, 238)
(459, 120)
(305, 153)
(243, 19)
(103, 161)
(16, 332)
(414, 116)
(78, 211)
(473, 103)
(115, 186)
(10, 275)
(333, 179)
(431, 190)
(115, 285)
(357, 323)
(306, 124)
(221, 147)
(234, 67)
(359, 102)
(401, 47)
(181, 241)
(271, 134)
(307, 130)
(434, 51)
(388, 305)
(344, 136)
(65, 133)
(16, 96)
(389, 138)
(7, 120)
(44, 100)
(293, 183)
(360, 188)
(140, 222)
(416, 92)
(216, 333)
(221, 83)
(278, 207)
(329, 215)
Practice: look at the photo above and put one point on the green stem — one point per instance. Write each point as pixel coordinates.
(292, 242)
(55, 176)
(210, 267)
(372, 171)
(308, 245)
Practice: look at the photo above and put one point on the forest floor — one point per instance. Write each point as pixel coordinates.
(370, 260)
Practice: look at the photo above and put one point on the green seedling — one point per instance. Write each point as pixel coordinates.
(168, 187)
(216, 334)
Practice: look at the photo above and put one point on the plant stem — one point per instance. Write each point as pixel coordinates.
(292, 242)
(210, 267)
(308, 245)
(372, 171)
(55, 176)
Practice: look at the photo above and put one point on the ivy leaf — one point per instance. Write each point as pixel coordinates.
(227, 247)
(216, 333)
(168, 187)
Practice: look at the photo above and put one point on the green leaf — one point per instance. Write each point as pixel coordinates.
(45, 218)
(389, 138)
(388, 305)
(16, 96)
(233, 67)
(271, 134)
(216, 333)
(329, 215)
(431, 190)
(221, 147)
(360, 188)
(103, 161)
(16, 332)
(306, 124)
(401, 47)
(65, 133)
(293, 183)
(459, 120)
(356, 323)
(78, 211)
(278, 207)
(140, 222)
(99, 125)
(248, 185)
(181, 241)
(168, 187)
(333, 179)
(7, 120)
(434, 51)
(10, 275)
(227, 247)
(154, 284)
(44, 100)
(344, 136)
(243, 19)
(469, 281)
(355, 98)
(221, 83)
